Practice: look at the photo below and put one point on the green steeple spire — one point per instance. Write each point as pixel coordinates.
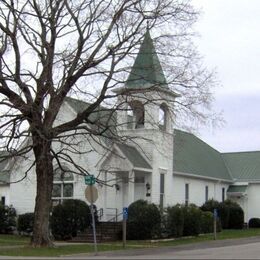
(147, 70)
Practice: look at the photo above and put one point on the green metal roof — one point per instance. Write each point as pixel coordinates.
(4, 172)
(78, 105)
(102, 119)
(134, 156)
(193, 156)
(237, 189)
(4, 176)
(243, 165)
(146, 71)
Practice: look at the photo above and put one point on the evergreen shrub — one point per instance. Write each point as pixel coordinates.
(192, 220)
(206, 222)
(254, 223)
(175, 221)
(236, 217)
(224, 213)
(210, 205)
(231, 215)
(7, 219)
(25, 223)
(144, 220)
(70, 218)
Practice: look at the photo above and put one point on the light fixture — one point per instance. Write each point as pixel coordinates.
(117, 187)
(148, 188)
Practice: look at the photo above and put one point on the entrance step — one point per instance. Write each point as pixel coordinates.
(105, 232)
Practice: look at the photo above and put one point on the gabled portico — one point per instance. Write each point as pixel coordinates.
(127, 178)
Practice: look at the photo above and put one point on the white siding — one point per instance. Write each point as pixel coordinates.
(22, 194)
(196, 190)
(252, 207)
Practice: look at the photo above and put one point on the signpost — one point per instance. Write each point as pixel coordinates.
(125, 217)
(91, 194)
(215, 215)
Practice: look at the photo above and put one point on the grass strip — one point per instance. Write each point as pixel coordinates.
(71, 249)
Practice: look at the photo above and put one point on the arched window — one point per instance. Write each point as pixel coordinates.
(135, 115)
(62, 185)
(163, 111)
(130, 117)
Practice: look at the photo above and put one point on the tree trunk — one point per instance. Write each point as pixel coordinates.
(44, 174)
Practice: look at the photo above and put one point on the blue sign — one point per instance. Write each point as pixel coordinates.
(125, 213)
(215, 214)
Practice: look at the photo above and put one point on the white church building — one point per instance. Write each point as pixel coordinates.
(161, 164)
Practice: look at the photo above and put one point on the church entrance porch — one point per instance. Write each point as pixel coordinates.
(127, 178)
(127, 188)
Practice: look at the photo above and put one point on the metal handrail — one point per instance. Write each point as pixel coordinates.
(116, 213)
(100, 213)
(115, 218)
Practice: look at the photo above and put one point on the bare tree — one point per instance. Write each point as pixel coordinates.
(54, 48)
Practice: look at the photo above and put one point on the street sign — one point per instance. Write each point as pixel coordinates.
(90, 179)
(125, 213)
(215, 214)
(91, 194)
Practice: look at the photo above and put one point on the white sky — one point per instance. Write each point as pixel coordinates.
(230, 42)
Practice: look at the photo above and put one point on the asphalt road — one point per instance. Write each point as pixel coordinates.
(248, 248)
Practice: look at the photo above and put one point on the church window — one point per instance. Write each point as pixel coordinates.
(206, 193)
(62, 185)
(163, 111)
(3, 200)
(223, 194)
(130, 117)
(162, 183)
(135, 115)
(187, 194)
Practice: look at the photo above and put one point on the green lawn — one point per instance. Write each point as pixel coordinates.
(13, 240)
(24, 250)
(58, 251)
(225, 234)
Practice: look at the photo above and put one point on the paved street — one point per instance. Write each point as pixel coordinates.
(248, 248)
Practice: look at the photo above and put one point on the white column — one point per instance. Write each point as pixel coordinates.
(131, 187)
(105, 197)
(215, 192)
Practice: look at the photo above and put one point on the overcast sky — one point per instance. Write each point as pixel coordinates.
(230, 42)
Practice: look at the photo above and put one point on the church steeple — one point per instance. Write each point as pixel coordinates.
(146, 71)
(146, 82)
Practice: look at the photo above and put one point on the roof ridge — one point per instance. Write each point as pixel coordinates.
(147, 69)
(227, 167)
(100, 108)
(141, 155)
(205, 145)
(255, 151)
(76, 100)
(199, 139)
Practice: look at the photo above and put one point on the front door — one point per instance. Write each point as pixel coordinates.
(139, 188)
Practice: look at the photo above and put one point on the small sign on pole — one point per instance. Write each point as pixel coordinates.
(125, 217)
(90, 179)
(125, 213)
